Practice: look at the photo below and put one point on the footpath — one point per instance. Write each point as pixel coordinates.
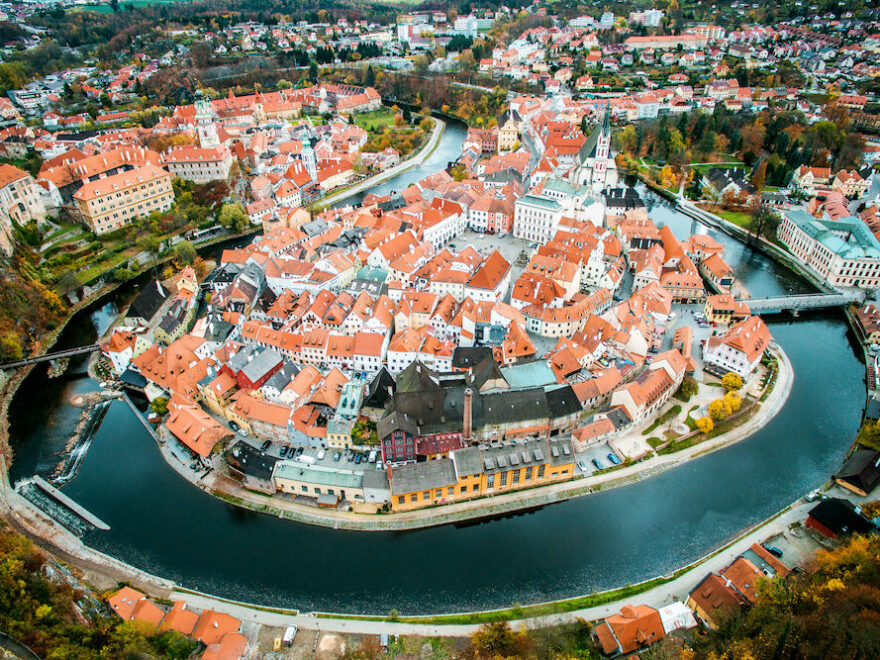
(674, 590)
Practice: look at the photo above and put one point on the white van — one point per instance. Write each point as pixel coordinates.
(289, 634)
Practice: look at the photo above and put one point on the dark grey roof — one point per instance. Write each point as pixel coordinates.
(376, 479)
(245, 459)
(417, 377)
(261, 364)
(423, 476)
(464, 357)
(467, 461)
(133, 379)
(506, 175)
(281, 378)
(861, 470)
(840, 517)
(377, 390)
(588, 150)
(512, 406)
(148, 301)
(562, 402)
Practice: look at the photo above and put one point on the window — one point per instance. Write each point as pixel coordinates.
(490, 481)
(503, 479)
(413, 498)
(401, 499)
(540, 472)
(516, 476)
(463, 490)
(426, 495)
(476, 488)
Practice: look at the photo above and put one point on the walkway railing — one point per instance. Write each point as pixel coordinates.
(57, 355)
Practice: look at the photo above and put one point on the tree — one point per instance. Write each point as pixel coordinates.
(732, 402)
(705, 424)
(149, 244)
(313, 71)
(688, 388)
(369, 76)
(493, 640)
(763, 222)
(283, 84)
(10, 347)
(732, 382)
(760, 175)
(159, 405)
(718, 410)
(234, 217)
(184, 254)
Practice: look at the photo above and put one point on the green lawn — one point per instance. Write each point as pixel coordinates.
(738, 218)
(375, 120)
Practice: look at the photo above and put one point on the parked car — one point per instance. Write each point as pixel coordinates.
(374, 454)
(772, 549)
(242, 432)
(582, 466)
(299, 451)
(597, 464)
(357, 459)
(265, 445)
(233, 426)
(349, 457)
(613, 458)
(283, 452)
(321, 454)
(379, 465)
(337, 456)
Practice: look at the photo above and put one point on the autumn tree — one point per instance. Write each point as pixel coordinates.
(705, 424)
(732, 381)
(718, 410)
(732, 402)
(233, 217)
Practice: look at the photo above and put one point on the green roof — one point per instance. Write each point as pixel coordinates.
(542, 202)
(321, 475)
(849, 237)
(523, 375)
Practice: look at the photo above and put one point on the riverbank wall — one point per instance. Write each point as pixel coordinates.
(495, 506)
(761, 244)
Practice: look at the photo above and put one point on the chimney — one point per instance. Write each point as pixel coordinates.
(468, 413)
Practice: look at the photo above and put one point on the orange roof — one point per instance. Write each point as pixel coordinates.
(146, 611)
(749, 336)
(180, 619)
(492, 271)
(10, 173)
(743, 575)
(124, 601)
(634, 628)
(231, 647)
(212, 626)
(120, 181)
(195, 428)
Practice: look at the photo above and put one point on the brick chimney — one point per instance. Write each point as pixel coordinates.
(468, 414)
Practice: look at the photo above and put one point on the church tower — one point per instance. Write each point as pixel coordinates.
(208, 137)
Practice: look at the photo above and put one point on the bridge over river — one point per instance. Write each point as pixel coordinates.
(802, 302)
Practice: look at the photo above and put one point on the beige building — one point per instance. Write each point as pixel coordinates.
(20, 195)
(199, 164)
(112, 202)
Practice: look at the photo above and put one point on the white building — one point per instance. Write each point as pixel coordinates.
(842, 252)
(739, 350)
(536, 218)
(199, 164)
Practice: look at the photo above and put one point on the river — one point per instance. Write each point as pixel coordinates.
(162, 524)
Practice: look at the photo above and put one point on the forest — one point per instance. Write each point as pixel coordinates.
(775, 140)
(57, 622)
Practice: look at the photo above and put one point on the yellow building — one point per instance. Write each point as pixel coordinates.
(725, 309)
(114, 201)
(481, 471)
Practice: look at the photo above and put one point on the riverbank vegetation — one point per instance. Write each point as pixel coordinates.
(60, 621)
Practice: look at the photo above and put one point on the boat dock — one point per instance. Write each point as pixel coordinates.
(56, 494)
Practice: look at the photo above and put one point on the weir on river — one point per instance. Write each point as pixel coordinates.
(162, 524)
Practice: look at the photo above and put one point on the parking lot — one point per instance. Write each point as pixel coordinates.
(599, 453)
(344, 459)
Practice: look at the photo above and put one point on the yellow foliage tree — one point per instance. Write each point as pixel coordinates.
(732, 381)
(718, 410)
(732, 402)
(705, 424)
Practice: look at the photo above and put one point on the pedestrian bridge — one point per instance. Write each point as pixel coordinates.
(800, 303)
(57, 355)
